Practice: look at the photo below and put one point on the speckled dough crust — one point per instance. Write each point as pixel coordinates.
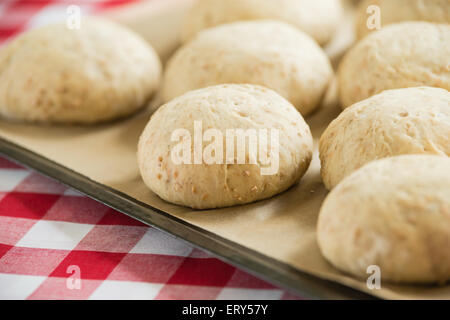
(395, 122)
(58, 75)
(268, 53)
(408, 54)
(393, 213)
(319, 18)
(223, 107)
(392, 11)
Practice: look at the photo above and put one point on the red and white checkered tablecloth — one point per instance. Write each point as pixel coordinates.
(57, 244)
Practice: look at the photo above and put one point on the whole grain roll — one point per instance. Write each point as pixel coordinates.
(54, 74)
(394, 214)
(268, 53)
(393, 11)
(408, 54)
(231, 173)
(318, 18)
(395, 122)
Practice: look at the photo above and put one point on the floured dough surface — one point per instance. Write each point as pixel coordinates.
(229, 181)
(395, 122)
(408, 54)
(267, 53)
(319, 18)
(393, 214)
(54, 74)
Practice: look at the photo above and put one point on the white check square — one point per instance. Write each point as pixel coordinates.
(9, 179)
(54, 13)
(73, 193)
(126, 290)
(18, 287)
(55, 235)
(249, 294)
(157, 242)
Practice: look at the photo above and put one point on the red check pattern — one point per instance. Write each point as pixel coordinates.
(47, 229)
(50, 236)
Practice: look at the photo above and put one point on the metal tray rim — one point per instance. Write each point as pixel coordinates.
(256, 263)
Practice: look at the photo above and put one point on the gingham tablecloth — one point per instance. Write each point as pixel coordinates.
(57, 244)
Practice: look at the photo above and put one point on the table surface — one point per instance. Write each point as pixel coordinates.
(58, 244)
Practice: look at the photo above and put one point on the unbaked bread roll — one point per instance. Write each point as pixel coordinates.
(234, 177)
(268, 53)
(318, 18)
(393, 213)
(395, 122)
(54, 74)
(392, 11)
(408, 54)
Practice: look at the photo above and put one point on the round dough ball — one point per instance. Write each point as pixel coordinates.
(319, 18)
(268, 53)
(54, 74)
(395, 122)
(392, 11)
(213, 184)
(393, 213)
(408, 54)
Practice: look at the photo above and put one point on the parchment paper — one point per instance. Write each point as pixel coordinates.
(282, 227)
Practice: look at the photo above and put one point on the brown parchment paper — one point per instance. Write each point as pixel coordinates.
(282, 227)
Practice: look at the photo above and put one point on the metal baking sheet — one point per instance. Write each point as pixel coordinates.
(162, 31)
(249, 260)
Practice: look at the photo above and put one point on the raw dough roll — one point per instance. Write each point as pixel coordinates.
(395, 122)
(393, 213)
(408, 54)
(54, 74)
(318, 18)
(268, 53)
(392, 11)
(237, 175)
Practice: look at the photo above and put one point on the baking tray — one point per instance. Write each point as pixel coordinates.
(262, 266)
(272, 270)
(273, 239)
